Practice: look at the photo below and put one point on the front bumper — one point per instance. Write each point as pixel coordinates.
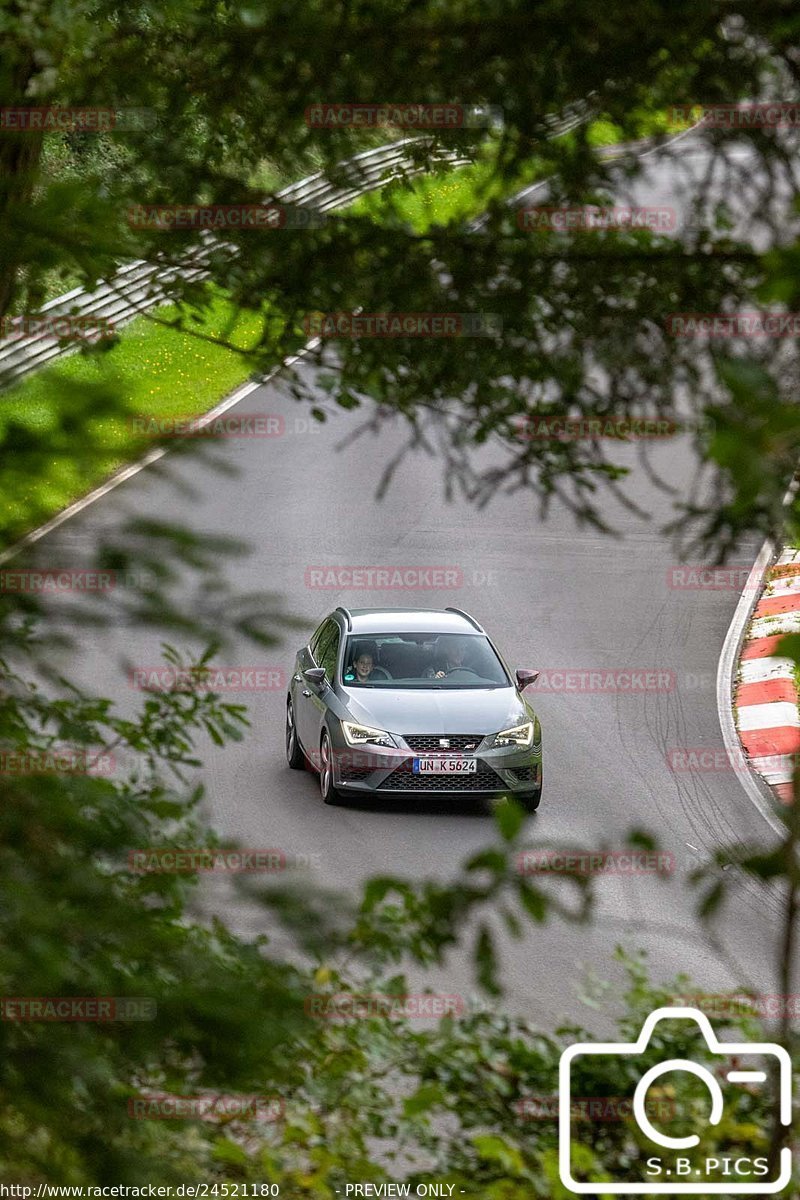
(386, 770)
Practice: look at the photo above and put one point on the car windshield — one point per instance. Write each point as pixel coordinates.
(422, 660)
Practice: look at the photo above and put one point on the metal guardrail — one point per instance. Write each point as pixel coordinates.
(142, 285)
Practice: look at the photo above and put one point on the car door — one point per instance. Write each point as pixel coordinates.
(327, 656)
(300, 688)
(310, 709)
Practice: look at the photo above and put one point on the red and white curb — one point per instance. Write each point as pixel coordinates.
(766, 693)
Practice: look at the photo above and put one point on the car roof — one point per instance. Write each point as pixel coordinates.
(411, 620)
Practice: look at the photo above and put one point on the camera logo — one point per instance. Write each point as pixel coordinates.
(668, 1167)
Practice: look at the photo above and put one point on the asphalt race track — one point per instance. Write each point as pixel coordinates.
(553, 596)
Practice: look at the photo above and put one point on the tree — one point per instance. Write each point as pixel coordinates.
(585, 318)
(301, 1076)
(228, 86)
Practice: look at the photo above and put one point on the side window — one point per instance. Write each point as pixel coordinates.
(329, 651)
(318, 636)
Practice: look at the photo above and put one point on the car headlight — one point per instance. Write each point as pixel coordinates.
(518, 735)
(364, 735)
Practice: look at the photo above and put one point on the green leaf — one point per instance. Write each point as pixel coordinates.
(491, 859)
(226, 1151)
(789, 647)
(424, 1099)
(486, 960)
(534, 902)
(712, 900)
(493, 1148)
(509, 817)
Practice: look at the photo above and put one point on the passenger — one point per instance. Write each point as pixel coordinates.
(363, 669)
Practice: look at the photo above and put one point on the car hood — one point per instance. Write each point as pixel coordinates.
(478, 710)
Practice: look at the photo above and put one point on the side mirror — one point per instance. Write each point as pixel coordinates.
(315, 676)
(525, 678)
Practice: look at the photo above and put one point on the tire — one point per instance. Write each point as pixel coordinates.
(531, 802)
(329, 793)
(294, 754)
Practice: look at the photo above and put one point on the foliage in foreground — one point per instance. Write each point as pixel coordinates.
(581, 323)
(374, 1097)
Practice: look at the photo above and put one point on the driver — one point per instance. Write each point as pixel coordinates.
(454, 657)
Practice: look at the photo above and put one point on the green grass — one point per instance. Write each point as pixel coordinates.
(151, 371)
(448, 196)
(464, 192)
(84, 405)
(444, 197)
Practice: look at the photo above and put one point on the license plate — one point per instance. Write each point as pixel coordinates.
(445, 766)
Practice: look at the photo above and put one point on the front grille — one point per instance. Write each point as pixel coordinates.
(403, 779)
(425, 743)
